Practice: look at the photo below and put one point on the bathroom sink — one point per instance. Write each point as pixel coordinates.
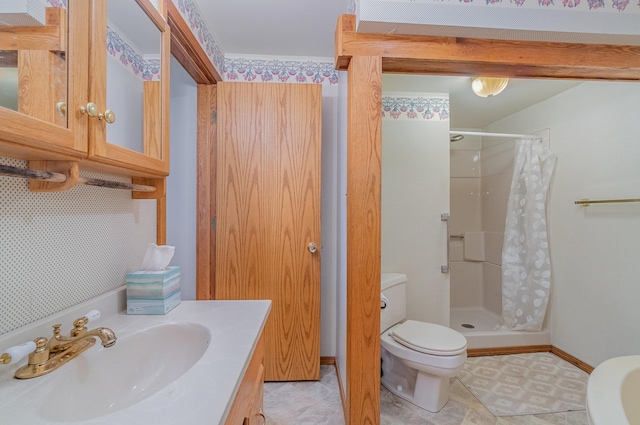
(612, 392)
(163, 369)
(139, 365)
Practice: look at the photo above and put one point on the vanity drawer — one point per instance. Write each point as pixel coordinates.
(248, 400)
(256, 415)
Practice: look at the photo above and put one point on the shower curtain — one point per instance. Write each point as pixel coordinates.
(526, 267)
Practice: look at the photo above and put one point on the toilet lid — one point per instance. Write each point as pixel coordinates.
(429, 338)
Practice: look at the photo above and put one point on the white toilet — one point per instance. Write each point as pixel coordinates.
(418, 358)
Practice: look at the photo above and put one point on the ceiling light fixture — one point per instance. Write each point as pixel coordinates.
(487, 86)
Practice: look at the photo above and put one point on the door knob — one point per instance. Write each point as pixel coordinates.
(312, 247)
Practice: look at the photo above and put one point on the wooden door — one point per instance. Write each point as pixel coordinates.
(268, 212)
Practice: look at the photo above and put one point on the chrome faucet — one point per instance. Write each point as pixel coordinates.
(50, 354)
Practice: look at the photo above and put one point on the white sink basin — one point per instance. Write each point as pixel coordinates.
(139, 365)
(613, 392)
(182, 368)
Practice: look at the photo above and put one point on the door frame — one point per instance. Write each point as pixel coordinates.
(186, 49)
(366, 57)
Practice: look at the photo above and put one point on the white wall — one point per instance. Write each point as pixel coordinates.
(466, 208)
(329, 221)
(181, 183)
(415, 191)
(594, 251)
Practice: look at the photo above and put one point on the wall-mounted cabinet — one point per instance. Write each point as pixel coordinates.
(91, 84)
(37, 60)
(129, 84)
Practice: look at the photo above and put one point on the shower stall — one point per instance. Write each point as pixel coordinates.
(481, 173)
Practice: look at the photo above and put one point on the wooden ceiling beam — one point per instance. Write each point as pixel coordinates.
(500, 58)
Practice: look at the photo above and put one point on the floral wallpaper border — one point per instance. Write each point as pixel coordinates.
(57, 3)
(255, 69)
(193, 17)
(415, 107)
(612, 6)
(281, 70)
(145, 69)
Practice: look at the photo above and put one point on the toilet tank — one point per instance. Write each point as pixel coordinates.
(393, 287)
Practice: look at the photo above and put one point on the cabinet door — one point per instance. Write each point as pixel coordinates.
(268, 215)
(43, 68)
(129, 86)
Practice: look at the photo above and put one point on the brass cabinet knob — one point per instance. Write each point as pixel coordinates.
(61, 109)
(109, 116)
(92, 110)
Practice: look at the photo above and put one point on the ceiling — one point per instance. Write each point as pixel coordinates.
(289, 28)
(274, 27)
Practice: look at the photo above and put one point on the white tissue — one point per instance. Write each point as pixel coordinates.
(157, 257)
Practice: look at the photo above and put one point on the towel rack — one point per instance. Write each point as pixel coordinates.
(456, 236)
(9, 171)
(586, 201)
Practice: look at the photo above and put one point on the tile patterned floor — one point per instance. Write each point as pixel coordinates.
(305, 402)
(318, 403)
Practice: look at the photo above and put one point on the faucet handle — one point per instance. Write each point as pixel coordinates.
(17, 352)
(92, 315)
(80, 325)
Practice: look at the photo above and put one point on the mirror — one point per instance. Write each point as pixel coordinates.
(33, 69)
(133, 78)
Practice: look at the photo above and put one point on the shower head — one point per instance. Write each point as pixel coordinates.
(455, 138)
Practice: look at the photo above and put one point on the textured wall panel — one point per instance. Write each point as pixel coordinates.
(60, 249)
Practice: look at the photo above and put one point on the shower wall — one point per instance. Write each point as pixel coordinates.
(480, 179)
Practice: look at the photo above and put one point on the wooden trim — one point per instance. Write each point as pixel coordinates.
(151, 114)
(51, 36)
(70, 169)
(505, 58)
(159, 183)
(574, 361)
(161, 220)
(327, 361)
(206, 192)
(343, 397)
(364, 155)
(154, 14)
(501, 351)
(186, 49)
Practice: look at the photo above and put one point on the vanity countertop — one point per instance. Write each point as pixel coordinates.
(201, 395)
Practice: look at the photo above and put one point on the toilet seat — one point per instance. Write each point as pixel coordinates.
(429, 338)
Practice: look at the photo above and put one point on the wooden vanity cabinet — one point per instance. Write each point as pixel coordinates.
(248, 403)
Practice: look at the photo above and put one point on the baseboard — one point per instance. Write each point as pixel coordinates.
(332, 361)
(500, 351)
(327, 360)
(568, 357)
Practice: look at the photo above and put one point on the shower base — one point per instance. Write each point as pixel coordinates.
(484, 335)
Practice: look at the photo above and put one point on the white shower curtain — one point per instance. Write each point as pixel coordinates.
(526, 268)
